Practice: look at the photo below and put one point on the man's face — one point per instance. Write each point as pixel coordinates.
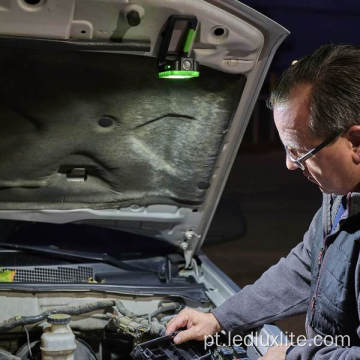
(332, 168)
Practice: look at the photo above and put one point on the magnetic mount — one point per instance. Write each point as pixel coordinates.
(175, 60)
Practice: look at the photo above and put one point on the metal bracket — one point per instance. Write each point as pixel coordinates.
(190, 239)
(77, 175)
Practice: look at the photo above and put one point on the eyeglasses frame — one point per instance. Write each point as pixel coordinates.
(300, 160)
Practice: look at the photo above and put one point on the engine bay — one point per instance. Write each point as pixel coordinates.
(78, 291)
(78, 325)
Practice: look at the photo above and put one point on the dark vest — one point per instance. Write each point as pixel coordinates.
(333, 306)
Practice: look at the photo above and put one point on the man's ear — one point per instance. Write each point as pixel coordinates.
(353, 135)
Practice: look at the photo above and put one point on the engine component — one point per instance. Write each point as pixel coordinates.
(240, 352)
(115, 345)
(230, 353)
(139, 326)
(119, 332)
(58, 340)
(163, 348)
(71, 310)
(32, 352)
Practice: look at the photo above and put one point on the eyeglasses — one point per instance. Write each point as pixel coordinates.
(299, 161)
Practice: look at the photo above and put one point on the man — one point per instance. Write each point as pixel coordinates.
(316, 107)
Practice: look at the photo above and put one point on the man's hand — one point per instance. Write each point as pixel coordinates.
(198, 325)
(276, 353)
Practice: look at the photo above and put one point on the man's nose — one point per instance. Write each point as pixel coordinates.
(290, 164)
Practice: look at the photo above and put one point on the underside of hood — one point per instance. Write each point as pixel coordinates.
(101, 131)
(90, 134)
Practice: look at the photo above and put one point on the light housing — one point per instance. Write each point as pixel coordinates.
(175, 60)
(178, 74)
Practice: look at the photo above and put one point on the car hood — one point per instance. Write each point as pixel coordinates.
(90, 134)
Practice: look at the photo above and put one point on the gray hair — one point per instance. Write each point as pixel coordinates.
(334, 73)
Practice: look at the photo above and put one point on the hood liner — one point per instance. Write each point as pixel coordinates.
(134, 139)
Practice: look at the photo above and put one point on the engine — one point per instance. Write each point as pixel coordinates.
(82, 326)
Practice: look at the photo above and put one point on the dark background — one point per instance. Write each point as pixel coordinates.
(265, 208)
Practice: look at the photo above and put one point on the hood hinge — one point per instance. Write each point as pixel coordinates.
(188, 244)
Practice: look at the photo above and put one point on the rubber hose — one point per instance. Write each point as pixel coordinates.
(71, 310)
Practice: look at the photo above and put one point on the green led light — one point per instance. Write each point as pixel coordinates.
(189, 40)
(178, 74)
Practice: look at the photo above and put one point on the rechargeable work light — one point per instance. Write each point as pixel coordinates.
(174, 60)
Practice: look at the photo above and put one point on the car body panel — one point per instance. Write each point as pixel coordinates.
(93, 139)
(244, 51)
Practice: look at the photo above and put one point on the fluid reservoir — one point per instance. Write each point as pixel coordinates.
(57, 340)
